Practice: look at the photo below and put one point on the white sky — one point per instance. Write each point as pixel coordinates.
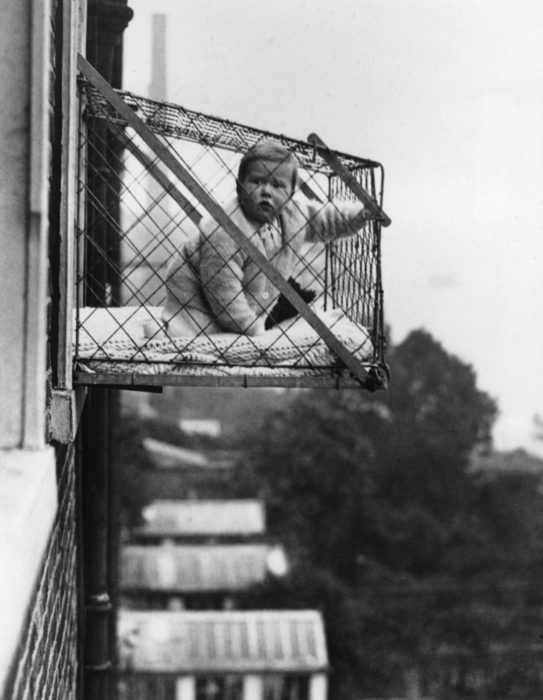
(448, 95)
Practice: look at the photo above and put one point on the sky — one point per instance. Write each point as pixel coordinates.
(448, 95)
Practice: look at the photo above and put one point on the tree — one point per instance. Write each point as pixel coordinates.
(377, 492)
(384, 477)
(313, 465)
(439, 418)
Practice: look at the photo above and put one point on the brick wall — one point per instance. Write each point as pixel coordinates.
(44, 662)
(46, 665)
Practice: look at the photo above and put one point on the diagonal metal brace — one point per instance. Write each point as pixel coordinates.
(160, 177)
(221, 217)
(351, 182)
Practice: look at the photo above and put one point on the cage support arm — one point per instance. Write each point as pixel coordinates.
(222, 218)
(162, 179)
(344, 175)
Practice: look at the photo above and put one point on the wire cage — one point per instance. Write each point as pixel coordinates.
(138, 214)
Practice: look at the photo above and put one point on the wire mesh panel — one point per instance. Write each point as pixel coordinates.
(168, 296)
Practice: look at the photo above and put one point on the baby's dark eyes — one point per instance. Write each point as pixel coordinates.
(258, 181)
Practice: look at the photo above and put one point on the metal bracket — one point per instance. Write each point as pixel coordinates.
(63, 412)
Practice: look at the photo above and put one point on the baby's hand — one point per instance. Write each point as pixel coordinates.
(153, 329)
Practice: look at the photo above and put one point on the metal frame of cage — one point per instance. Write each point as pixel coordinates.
(118, 129)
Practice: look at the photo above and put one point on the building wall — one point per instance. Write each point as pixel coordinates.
(14, 183)
(38, 605)
(46, 663)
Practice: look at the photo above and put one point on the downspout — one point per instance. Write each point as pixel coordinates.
(106, 22)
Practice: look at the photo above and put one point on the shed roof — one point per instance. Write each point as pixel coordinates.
(178, 518)
(173, 455)
(222, 641)
(193, 568)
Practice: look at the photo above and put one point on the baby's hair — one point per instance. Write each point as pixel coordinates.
(268, 151)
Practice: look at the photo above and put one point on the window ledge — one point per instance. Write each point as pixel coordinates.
(28, 503)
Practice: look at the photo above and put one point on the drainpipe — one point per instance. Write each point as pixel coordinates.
(106, 22)
(94, 496)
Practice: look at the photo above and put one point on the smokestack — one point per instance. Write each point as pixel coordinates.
(158, 87)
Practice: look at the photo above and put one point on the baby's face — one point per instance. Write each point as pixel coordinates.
(265, 189)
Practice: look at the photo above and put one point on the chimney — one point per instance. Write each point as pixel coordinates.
(158, 88)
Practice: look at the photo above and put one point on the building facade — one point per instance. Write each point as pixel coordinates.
(41, 648)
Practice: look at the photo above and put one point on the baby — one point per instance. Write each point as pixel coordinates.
(213, 286)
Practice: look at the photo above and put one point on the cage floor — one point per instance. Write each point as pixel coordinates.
(111, 349)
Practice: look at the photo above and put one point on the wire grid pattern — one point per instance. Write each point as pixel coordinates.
(355, 263)
(134, 220)
(180, 123)
(47, 664)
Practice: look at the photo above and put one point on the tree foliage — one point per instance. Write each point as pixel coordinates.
(439, 418)
(415, 557)
(375, 495)
(384, 477)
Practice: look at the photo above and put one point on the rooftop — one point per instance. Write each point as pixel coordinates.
(194, 568)
(178, 518)
(221, 642)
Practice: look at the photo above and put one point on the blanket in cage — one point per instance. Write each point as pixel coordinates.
(289, 347)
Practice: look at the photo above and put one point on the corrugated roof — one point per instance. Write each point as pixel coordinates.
(222, 641)
(193, 568)
(177, 518)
